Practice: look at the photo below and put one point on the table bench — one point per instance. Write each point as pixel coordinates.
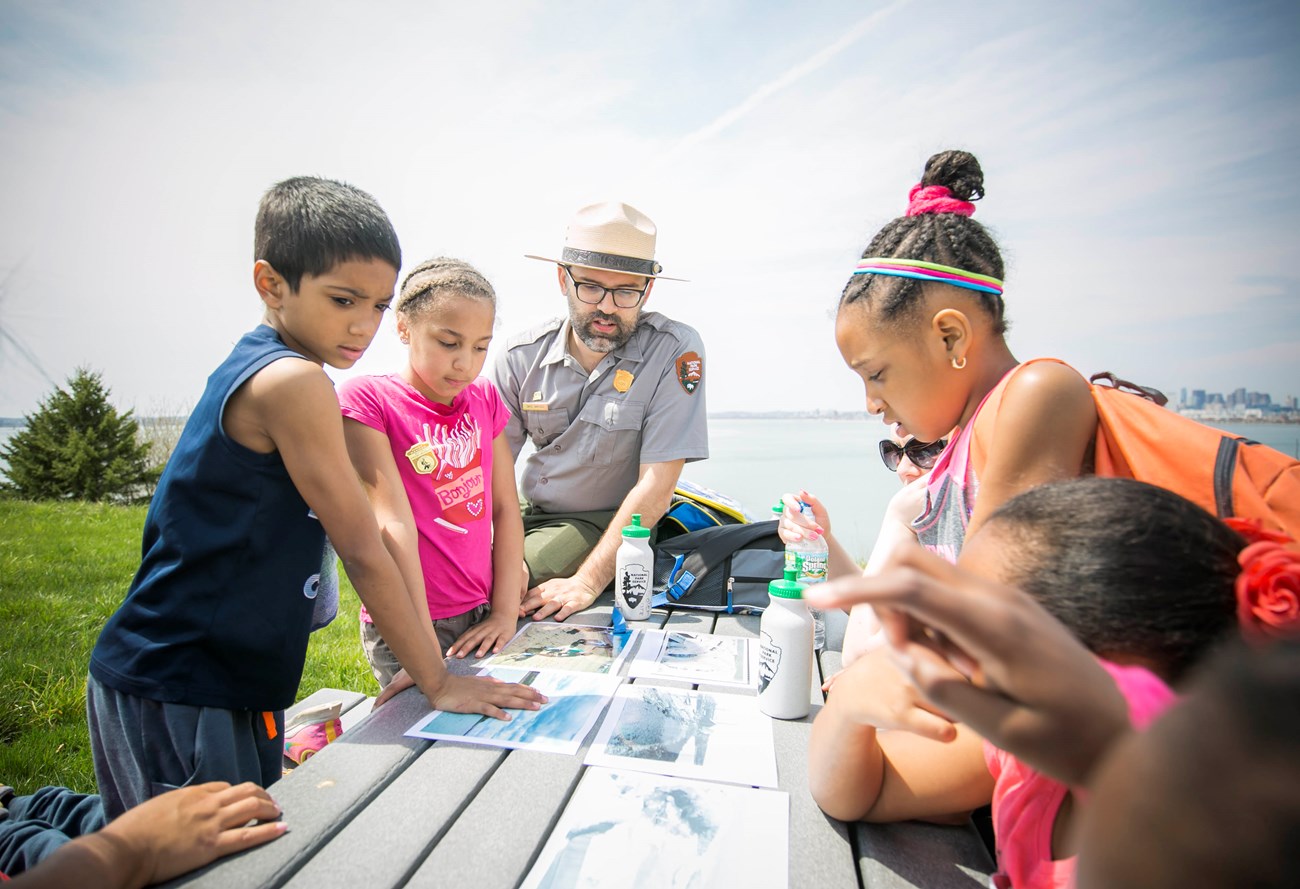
(378, 809)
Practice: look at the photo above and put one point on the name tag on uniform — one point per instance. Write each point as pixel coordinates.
(537, 404)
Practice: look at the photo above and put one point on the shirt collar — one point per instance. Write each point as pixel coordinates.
(559, 348)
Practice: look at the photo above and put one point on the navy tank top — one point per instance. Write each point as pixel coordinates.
(220, 610)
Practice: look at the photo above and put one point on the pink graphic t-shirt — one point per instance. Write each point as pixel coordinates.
(444, 455)
(1025, 802)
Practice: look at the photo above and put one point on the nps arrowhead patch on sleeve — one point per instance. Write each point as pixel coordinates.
(690, 371)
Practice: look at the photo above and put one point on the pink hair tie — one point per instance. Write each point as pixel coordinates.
(936, 199)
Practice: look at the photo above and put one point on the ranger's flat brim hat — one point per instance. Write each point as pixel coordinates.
(611, 237)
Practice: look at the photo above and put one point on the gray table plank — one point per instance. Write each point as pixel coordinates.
(499, 835)
(913, 855)
(388, 839)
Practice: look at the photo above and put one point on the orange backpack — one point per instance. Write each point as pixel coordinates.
(1137, 437)
(1223, 473)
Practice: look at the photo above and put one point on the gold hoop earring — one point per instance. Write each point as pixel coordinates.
(959, 363)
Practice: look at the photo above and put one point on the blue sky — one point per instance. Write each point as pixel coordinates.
(1139, 160)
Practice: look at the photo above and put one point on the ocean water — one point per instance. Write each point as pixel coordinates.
(757, 460)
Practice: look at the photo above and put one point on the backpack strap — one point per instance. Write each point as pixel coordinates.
(1225, 467)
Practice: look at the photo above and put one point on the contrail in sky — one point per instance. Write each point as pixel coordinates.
(798, 72)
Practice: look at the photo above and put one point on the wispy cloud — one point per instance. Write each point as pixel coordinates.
(785, 80)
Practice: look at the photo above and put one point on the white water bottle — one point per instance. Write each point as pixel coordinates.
(634, 572)
(809, 559)
(785, 651)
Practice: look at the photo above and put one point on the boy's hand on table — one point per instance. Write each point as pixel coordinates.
(470, 694)
(482, 694)
(184, 829)
(487, 636)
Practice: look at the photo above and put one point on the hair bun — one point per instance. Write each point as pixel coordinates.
(957, 171)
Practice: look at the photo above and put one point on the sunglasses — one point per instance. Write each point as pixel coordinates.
(922, 453)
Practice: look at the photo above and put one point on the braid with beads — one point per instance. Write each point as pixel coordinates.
(946, 238)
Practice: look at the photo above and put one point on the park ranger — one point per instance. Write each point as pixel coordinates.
(612, 399)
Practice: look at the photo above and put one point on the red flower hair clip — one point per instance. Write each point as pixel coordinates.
(1268, 587)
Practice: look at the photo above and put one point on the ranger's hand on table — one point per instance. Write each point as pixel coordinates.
(558, 597)
(470, 694)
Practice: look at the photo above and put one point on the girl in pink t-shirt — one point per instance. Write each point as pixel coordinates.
(1144, 578)
(427, 444)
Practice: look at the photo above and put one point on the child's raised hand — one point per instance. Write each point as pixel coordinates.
(1037, 692)
(486, 636)
(795, 526)
(872, 691)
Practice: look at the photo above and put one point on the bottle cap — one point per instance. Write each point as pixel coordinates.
(635, 529)
(788, 587)
(778, 508)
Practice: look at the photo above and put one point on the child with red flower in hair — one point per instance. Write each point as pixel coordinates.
(1146, 580)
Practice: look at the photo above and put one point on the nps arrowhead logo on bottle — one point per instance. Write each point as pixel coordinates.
(635, 585)
(769, 661)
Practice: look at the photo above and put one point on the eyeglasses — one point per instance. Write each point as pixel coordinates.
(594, 294)
(923, 454)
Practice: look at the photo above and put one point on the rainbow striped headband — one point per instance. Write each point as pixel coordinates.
(928, 271)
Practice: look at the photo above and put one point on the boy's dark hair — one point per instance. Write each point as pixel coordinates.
(307, 226)
(426, 285)
(944, 238)
(1128, 567)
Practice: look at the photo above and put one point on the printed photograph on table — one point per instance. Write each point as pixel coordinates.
(555, 646)
(690, 734)
(627, 829)
(700, 658)
(575, 702)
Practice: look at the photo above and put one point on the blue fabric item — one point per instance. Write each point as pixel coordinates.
(33, 827)
(219, 613)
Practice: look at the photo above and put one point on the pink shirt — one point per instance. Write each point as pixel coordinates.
(1025, 802)
(444, 455)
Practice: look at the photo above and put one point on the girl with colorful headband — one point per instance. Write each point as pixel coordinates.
(921, 321)
(1147, 581)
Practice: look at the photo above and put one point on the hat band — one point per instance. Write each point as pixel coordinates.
(611, 262)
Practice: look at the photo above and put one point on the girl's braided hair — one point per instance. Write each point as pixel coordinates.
(946, 238)
(432, 280)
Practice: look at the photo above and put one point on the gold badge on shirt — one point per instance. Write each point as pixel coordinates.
(623, 380)
(536, 404)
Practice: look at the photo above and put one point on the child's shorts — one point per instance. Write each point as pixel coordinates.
(143, 748)
(383, 663)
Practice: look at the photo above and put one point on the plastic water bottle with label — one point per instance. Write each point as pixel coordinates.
(809, 559)
(785, 651)
(634, 572)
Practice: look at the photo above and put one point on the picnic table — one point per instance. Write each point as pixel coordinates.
(378, 809)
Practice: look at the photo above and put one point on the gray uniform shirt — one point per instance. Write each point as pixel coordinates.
(644, 403)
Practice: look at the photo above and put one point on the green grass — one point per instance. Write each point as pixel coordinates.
(64, 568)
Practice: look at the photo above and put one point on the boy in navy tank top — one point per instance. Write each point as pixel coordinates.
(190, 676)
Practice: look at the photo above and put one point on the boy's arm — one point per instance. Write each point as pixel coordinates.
(162, 838)
(507, 561)
(294, 403)
(372, 458)
(856, 773)
(650, 496)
